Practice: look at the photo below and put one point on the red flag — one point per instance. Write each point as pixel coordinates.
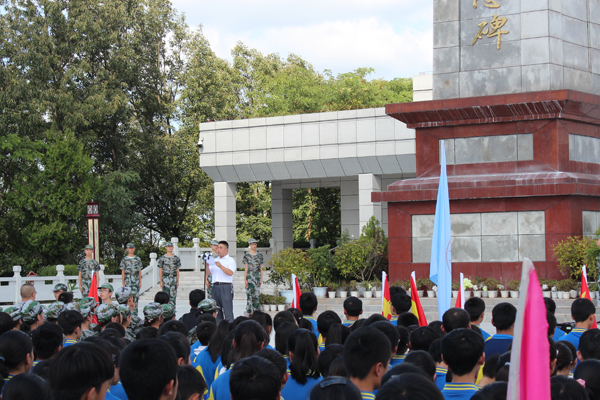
(585, 291)
(297, 292)
(417, 309)
(460, 298)
(386, 305)
(94, 293)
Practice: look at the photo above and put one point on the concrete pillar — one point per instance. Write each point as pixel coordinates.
(154, 271)
(282, 221)
(225, 215)
(349, 207)
(368, 183)
(17, 277)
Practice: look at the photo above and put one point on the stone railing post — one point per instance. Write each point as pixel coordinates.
(17, 276)
(60, 273)
(154, 272)
(197, 259)
(175, 246)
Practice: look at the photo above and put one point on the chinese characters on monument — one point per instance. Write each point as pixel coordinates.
(494, 27)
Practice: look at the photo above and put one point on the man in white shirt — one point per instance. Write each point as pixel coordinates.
(222, 280)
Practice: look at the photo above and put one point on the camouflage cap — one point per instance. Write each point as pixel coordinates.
(168, 311)
(214, 242)
(73, 306)
(106, 311)
(89, 302)
(123, 294)
(124, 310)
(85, 310)
(208, 306)
(130, 245)
(252, 240)
(153, 311)
(30, 311)
(107, 286)
(89, 246)
(54, 309)
(169, 244)
(60, 286)
(14, 312)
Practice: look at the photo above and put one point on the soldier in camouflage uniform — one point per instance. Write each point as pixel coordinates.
(31, 314)
(54, 310)
(168, 312)
(131, 273)
(90, 303)
(87, 267)
(126, 321)
(58, 289)
(153, 315)
(124, 296)
(213, 246)
(169, 265)
(253, 276)
(86, 313)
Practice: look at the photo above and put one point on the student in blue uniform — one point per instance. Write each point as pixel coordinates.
(441, 368)
(308, 305)
(278, 361)
(324, 322)
(27, 387)
(71, 322)
(366, 357)
(551, 307)
(282, 336)
(475, 306)
(353, 309)
(254, 378)
(455, 318)
(583, 313)
(422, 337)
(47, 341)
(410, 385)
(589, 345)
(423, 360)
(190, 384)
(403, 343)
(304, 368)
(462, 350)
(327, 357)
(401, 303)
(16, 354)
(208, 360)
(390, 332)
(503, 319)
(335, 388)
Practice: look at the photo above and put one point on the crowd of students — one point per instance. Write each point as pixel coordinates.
(44, 354)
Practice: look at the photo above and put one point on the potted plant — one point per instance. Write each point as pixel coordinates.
(263, 300)
(563, 286)
(271, 302)
(343, 290)
(455, 289)
(427, 284)
(546, 290)
(476, 291)
(319, 269)
(367, 289)
(377, 288)
(405, 284)
(492, 285)
(514, 286)
(573, 290)
(280, 301)
(484, 292)
(353, 288)
(554, 291)
(593, 290)
(332, 287)
(503, 292)
(468, 286)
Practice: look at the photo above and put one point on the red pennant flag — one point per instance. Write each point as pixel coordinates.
(417, 309)
(460, 298)
(386, 305)
(94, 293)
(297, 292)
(585, 291)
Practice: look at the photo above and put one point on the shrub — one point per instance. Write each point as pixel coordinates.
(491, 283)
(51, 270)
(513, 285)
(566, 285)
(425, 282)
(286, 262)
(319, 266)
(573, 253)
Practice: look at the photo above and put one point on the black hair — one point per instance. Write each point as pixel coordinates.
(65, 297)
(551, 323)
(396, 289)
(325, 320)
(422, 337)
(205, 332)
(303, 345)
(113, 337)
(173, 326)
(276, 358)
(404, 339)
(189, 382)
(589, 344)
(46, 340)
(265, 321)
(338, 368)
(476, 329)
(410, 386)
(353, 306)
(26, 387)
(375, 318)
(422, 359)
(162, 298)
(239, 320)
(337, 334)
(455, 318)
(407, 319)
(401, 303)
(228, 353)
(254, 378)
(297, 313)
(179, 344)
(283, 316)
(113, 351)
(571, 347)
(389, 331)
(404, 368)
(437, 326)
(78, 368)
(435, 349)
(503, 362)
(327, 356)
(224, 243)
(305, 324)
(282, 335)
(552, 348)
(248, 337)
(216, 344)
(563, 388)
(196, 296)
(550, 305)
(564, 358)
(588, 371)
(205, 318)
(14, 348)
(462, 349)
(335, 388)
(308, 303)
(357, 324)
(489, 368)
(116, 328)
(493, 391)
(503, 316)
(6, 322)
(581, 309)
(42, 369)
(146, 367)
(365, 348)
(147, 332)
(475, 306)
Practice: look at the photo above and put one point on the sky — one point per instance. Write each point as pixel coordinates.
(393, 36)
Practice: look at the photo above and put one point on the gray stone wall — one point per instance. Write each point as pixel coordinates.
(485, 237)
(487, 149)
(584, 148)
(550, 44)
(591, 222)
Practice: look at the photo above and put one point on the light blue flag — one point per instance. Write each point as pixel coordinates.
(440, 268)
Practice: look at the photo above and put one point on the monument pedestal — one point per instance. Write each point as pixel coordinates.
(523, 174)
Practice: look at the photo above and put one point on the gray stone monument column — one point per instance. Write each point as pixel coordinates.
(489, 47)
(368, 183)
(349, 206)
(282, 223)
(225, 214)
